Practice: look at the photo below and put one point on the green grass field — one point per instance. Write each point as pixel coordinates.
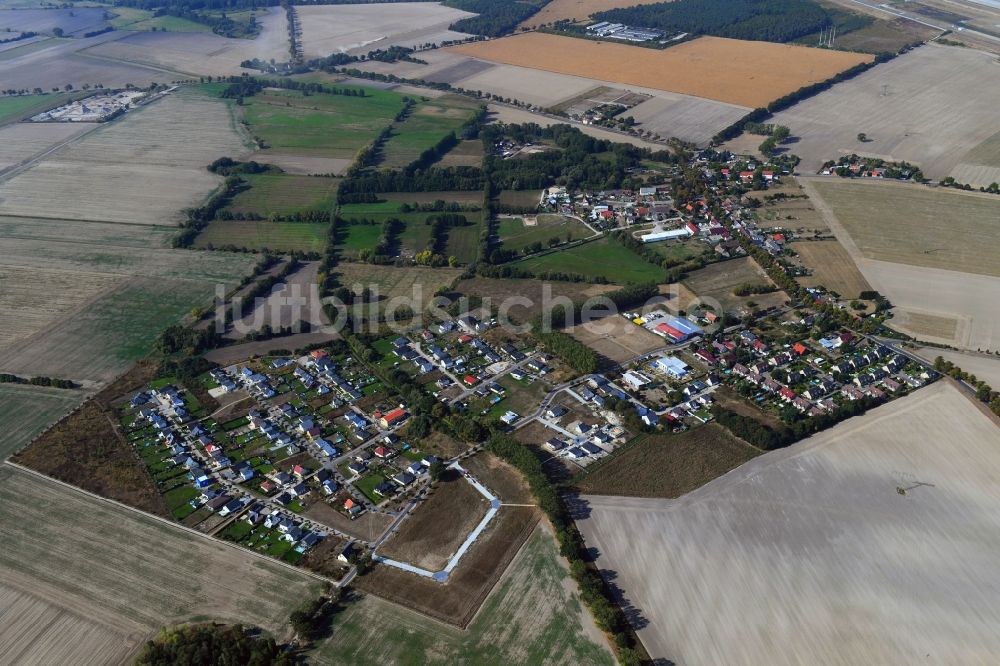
(26, 410)
(426, 125)
(285, 194)
(603, 258)
(354, 237)
(516, 236)
(319, 125)
(285, 236)
(680, 250)
(533, 616)
(17, 107)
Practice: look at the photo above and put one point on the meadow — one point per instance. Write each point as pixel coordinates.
(278, 236)
(429, 122)
(18, 107)
(604, 258)
(284, 194)
(516, 235)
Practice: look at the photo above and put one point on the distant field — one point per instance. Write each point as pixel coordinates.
(319, 125)
(577, 10)
(667, 465)
(920, 226)
(533, 616)
(103, 591)
(604, 258)
(516, 235)
(734, 71)
(285, 194)
(931, 107)
(832, 267)
(427, 124)
(285, 236)
(26, 410)
(802, 537)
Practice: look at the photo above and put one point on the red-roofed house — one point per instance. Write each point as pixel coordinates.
(787, 393)
(382, 452)
(393, 418)
(318, 353)
(799, 348)
(469, 380)
(692, 227)
(465, 338)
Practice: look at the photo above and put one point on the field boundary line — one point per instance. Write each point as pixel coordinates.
(167, 522)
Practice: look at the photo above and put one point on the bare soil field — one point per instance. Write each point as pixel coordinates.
(434, 530)
(717, 281)
(908, 108)
(832, 267)
(667, 465)
(128, 574)
(533, 616)
(812, 554)
(149, 164)
(362, 28)
(26, 410)
(23, 141)
(577, 10)
(921, 226)
(368, 526)
(616, 338)
(733, 71)
(200, 53)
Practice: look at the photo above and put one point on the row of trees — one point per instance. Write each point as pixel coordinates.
(6, 378)
(984, 392)
(493, 17)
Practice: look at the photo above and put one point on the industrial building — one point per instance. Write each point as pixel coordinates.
(677, 330)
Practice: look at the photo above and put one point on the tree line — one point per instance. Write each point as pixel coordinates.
(54, 382)
(493, 17)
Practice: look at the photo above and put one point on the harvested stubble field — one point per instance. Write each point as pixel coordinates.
(26, 410)
(433, 531)
(812, 554)
(24, 141)
(200, 52)
(84, 233)
(577, 10)
(533, 616)
(983, 366)
(932, 106)
(667, 465)
(466, 153)
(143, 168)
(920, 226)
(283, 236)
(688, 118)
(717, 281)
(616, 338)
(76, 19)
(831, 266)
(728, 70)
(127, 574)
(361, 28)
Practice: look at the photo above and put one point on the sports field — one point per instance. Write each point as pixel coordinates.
(919, 226)
(532, 616)
(813, 554)
(603, 258)
(728, 70)
(284, 236)
(515, 234)
(102, 578)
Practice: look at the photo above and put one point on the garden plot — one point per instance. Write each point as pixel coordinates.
(57, 553)
(814, 553)
(362, 28)
(932, 107)
(143, 168)
(201, 53)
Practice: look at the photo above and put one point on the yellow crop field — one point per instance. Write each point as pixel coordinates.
(727, 70)
(577, 10)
